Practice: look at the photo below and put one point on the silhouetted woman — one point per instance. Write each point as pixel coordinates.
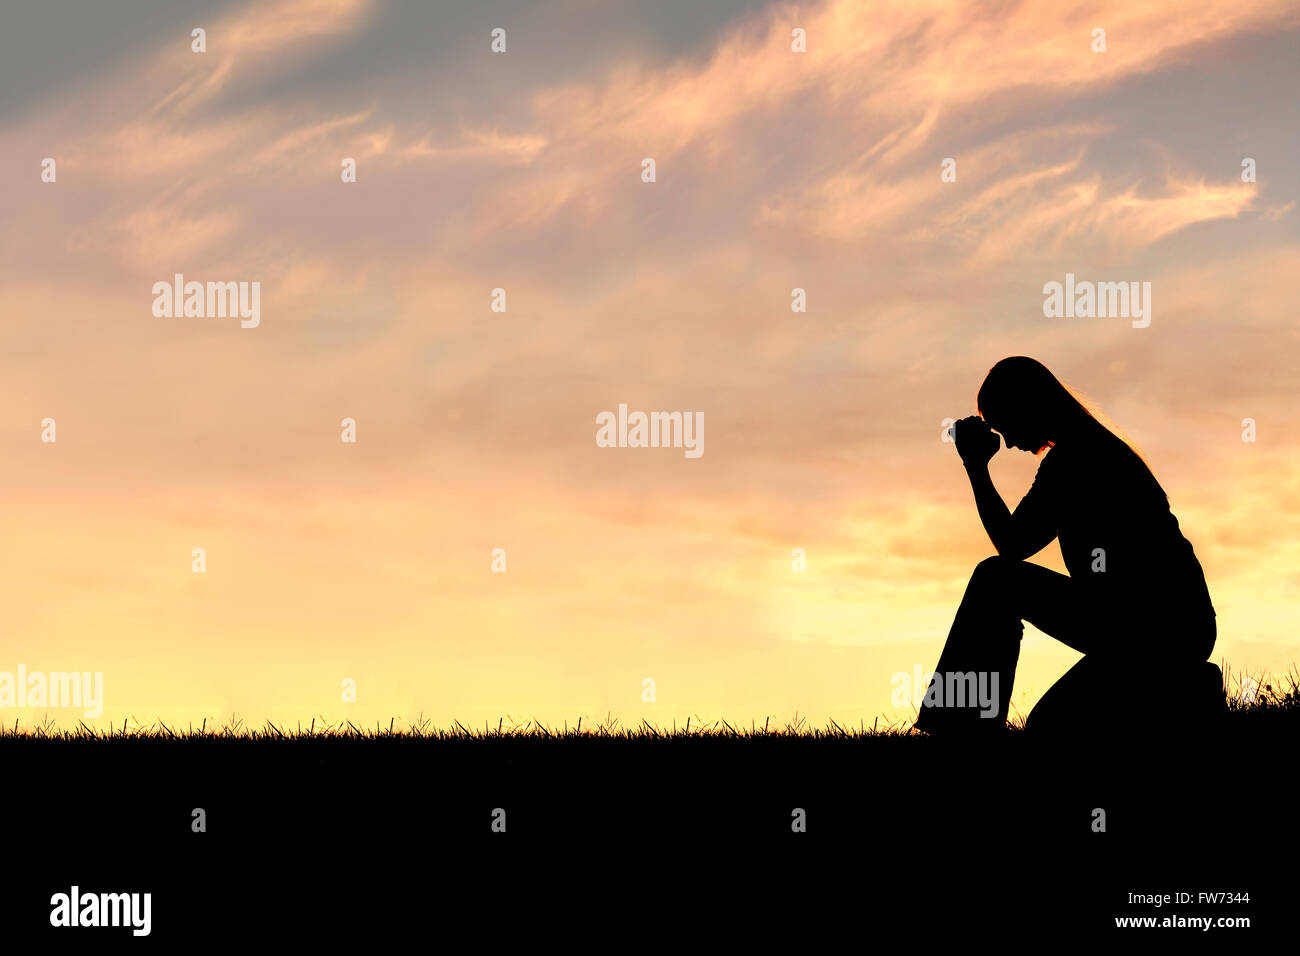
(1135, 601)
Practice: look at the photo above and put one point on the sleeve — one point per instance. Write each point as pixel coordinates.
(1034, 522)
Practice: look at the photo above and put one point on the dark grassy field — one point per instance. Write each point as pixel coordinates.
(898, 821)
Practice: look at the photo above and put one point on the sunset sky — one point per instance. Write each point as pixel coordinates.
(522, 170)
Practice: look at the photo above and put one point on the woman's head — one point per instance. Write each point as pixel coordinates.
(1029, 406)
(1033, 410)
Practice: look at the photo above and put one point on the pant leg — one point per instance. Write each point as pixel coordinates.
(983, 648)
(1087, 698)
(1153, 677)
(1123, 647)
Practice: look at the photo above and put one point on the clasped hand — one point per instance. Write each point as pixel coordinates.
(975, 441)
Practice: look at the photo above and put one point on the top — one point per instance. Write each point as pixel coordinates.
(1118, 537)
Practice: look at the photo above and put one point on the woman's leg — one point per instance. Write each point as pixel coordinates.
(1123, 652)
(1161, 685)
(1086, 697)
(971, 689)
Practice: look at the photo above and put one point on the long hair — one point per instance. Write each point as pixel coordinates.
(1022, 382)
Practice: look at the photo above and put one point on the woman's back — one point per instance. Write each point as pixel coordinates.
(1118, 536)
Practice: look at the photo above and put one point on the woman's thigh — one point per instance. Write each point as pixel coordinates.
(1137, 628)
(1054, 603)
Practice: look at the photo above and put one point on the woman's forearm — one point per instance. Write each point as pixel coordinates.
(993, 511)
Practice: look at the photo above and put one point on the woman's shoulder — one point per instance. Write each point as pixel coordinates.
(1103, 468)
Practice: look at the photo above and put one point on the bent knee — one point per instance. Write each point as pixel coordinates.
(996, 568)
